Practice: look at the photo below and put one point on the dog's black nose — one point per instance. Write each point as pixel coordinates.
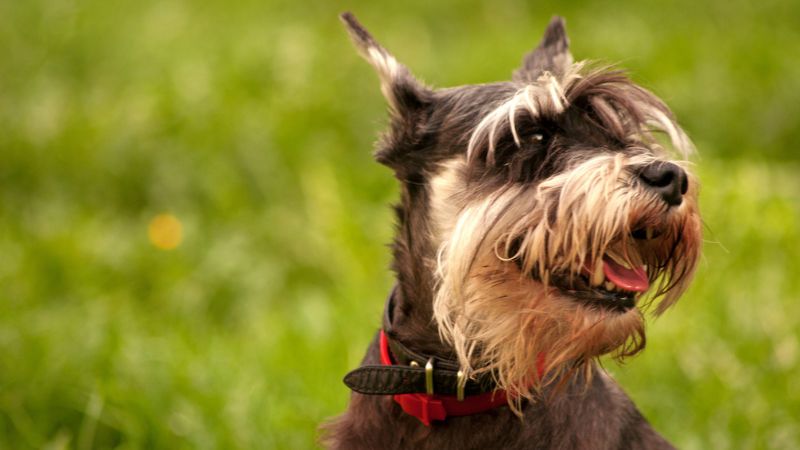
(667, 179)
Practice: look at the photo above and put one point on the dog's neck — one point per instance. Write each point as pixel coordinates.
(414, 259)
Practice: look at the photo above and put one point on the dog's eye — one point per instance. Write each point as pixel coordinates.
(539, 138)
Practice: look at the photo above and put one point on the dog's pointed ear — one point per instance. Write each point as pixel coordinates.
(552, 55)
(404, 93)
(410, 102)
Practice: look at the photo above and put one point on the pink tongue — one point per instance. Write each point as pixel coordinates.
(634, 280)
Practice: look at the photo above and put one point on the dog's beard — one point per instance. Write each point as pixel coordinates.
(515, 271)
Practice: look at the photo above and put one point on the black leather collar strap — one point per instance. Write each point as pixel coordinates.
(408, 374)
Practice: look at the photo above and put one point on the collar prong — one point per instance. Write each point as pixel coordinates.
(429, 377)
(460, 386)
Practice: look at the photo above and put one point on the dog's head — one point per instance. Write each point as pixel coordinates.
(554, 211)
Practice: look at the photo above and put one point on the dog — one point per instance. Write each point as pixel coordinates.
(539, 218)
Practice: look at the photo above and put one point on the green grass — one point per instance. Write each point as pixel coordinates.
(252, 123)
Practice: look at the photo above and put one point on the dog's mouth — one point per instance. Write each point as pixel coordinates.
(610, 283)
(614, 281)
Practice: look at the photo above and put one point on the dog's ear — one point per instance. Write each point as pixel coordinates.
(410, 101)
(552, 55)
(403, 92)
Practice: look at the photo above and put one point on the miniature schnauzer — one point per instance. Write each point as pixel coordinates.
(538, 218)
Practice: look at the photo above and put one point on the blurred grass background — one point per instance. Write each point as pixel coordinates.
(252, 123)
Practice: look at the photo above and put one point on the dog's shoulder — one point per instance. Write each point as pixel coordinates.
(597, 415)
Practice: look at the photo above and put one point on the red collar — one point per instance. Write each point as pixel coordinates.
(427, 408)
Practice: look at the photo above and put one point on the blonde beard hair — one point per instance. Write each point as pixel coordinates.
(500, 319)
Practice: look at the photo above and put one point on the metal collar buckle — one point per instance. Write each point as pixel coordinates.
(429, 381)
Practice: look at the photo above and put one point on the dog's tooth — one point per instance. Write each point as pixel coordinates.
(648, 233)
(610, 286)
(598, 276)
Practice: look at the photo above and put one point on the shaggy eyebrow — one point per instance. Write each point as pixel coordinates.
(621, 109)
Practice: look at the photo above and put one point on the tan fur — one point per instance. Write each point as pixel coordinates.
(446, 188)
(388, 69)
